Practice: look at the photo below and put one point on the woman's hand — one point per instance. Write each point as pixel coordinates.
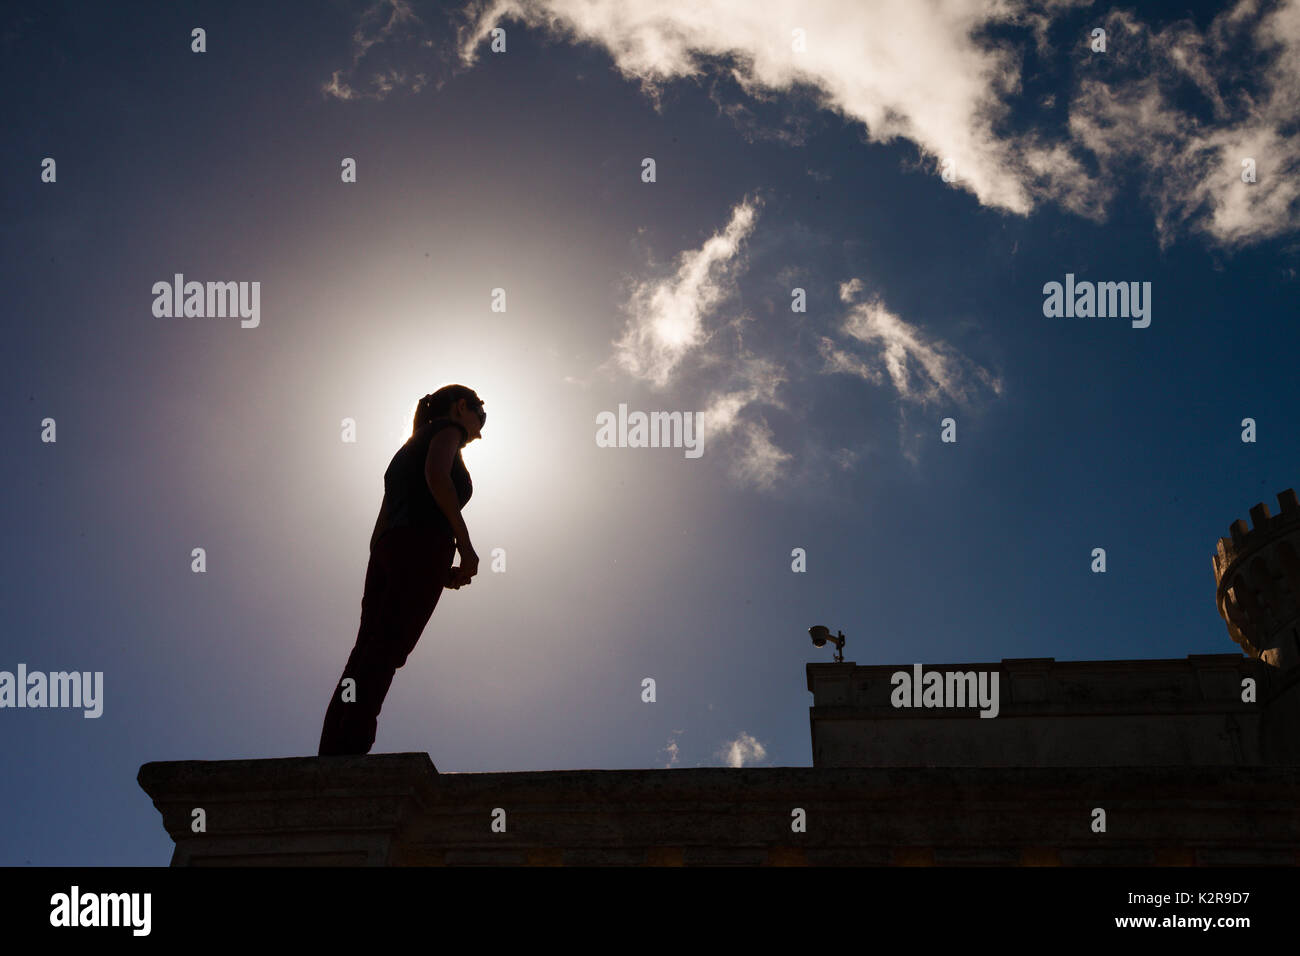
(464, 573)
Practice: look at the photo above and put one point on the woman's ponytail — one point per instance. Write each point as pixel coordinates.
(439, 403)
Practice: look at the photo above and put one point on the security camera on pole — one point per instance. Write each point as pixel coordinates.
(820, 635)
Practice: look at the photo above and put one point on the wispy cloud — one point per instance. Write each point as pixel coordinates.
(888, 350)
(683, 331)
(388, 34)
(1177, 103)
(756, 459)
(921, 371)
(666, 315)
(743, 750)
(929, 72)
(902, 68)
(673, 325)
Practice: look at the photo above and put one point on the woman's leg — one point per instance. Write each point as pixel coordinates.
(404, 580)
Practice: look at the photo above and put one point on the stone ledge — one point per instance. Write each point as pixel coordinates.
(396, 809)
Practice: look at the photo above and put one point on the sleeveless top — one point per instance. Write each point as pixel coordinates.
(409, 500)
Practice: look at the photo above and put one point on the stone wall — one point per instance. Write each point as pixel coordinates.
(396, 809)
(1134, 713)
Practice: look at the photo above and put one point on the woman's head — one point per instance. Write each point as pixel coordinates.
(460, 403)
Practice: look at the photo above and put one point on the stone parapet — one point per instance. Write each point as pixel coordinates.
(396, 809)
(1131, 713)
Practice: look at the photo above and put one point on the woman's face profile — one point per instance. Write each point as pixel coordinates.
(472, 416)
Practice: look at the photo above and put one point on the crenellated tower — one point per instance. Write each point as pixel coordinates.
(1257, 571)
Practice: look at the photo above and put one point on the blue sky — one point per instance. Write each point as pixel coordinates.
(775, 169)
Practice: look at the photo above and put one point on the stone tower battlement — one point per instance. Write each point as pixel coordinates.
(1257, 571)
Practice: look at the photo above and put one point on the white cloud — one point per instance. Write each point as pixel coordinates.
(1193, 160)
(674, 320)
(907, 69)
(674, 333)
(744, 749)
(755, 458)
(849, 290)
(925, 71)
(920, 369)
(666, 316)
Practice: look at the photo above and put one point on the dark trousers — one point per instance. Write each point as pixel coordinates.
(404, 580)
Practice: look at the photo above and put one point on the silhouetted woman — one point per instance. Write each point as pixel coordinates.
(419, 531)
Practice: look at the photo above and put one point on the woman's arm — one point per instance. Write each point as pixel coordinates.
(380, 521)
(437, 475)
